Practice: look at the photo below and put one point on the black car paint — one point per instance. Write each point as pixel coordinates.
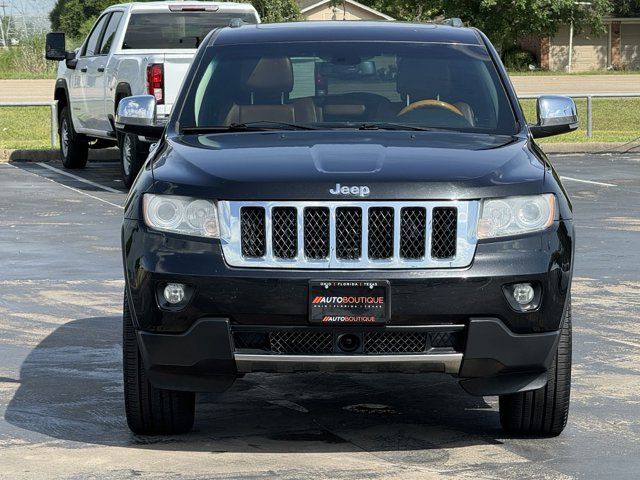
(396, 165)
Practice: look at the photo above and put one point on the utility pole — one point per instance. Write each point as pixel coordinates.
(571, 33)
(3, 36)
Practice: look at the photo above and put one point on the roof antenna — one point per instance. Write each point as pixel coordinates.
(453, 22)
(237, 22)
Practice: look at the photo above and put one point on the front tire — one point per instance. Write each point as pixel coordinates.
(133, 154)
(74, 152)
(150, 410)
(543, 412)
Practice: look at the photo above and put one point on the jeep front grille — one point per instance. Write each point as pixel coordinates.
(348, 235)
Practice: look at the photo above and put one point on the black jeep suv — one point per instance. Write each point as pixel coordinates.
(347, 197)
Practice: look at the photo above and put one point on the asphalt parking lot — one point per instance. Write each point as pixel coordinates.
(61, 408)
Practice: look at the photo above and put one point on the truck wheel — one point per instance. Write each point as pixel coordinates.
(150, 410)
(543, 412)
(133, 153)
(74, 152)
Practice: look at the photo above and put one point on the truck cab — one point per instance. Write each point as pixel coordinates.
(133, 49)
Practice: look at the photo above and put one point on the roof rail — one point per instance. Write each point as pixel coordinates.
(453, 22)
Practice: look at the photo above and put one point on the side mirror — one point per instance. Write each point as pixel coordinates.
(55, 48)
(137, 116)
(556, 115)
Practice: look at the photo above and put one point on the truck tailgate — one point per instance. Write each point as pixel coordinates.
(175, 69)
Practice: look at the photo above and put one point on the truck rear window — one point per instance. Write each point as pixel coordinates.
(174, 30)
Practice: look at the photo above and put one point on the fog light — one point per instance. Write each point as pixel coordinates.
(174, 293)
(523, 293)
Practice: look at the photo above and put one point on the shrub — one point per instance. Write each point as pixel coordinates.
(26, 60)
(518, 60)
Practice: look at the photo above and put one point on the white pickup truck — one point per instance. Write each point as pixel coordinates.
(133, 49)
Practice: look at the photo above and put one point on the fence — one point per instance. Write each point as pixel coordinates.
(54, 114)
(588, 96)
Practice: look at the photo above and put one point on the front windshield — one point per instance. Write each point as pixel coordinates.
(349, 85)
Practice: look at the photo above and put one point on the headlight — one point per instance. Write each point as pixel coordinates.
(508, 216)
(188, 216)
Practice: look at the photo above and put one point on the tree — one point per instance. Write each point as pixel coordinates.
(626, 8)
(505, 21)
(277, 10)
(408, 10)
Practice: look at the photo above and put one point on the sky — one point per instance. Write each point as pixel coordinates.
(30, 7)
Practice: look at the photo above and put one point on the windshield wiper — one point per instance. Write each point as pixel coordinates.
(257, 126)
(399, 126)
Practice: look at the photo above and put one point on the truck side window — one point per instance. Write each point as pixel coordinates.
(110, 33)
(91, 46)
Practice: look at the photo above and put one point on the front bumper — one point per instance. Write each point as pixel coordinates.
(193, 348)
(206, 358)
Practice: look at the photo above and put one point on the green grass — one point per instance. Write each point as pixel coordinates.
(12, 74)
(614, 120)
(25, 127)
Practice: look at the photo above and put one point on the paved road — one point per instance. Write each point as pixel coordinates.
(61, 413)
(42, 90)
(26, 90)
(531, 85)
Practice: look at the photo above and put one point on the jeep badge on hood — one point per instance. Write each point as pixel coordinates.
(358, 191)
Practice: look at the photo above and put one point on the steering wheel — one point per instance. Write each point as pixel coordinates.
(430, 103)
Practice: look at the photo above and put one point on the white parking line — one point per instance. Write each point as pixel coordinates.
(70, 188)
(588, 181)
(80, 179)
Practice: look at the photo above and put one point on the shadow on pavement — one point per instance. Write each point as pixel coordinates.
(71, 389)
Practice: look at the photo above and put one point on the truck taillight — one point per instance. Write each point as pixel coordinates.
(155, 81)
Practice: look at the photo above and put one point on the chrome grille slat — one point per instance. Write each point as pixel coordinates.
(284, 232)
(348, 233)
(444, 230)
(328, 235)
(317, 233)
(413, 232)
(381, 233)
(253, 232)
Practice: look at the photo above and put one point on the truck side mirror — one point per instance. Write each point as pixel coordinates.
(556, 115)
(137, 116)
(55, 48)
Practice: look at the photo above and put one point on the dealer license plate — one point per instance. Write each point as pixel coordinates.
(349, 302)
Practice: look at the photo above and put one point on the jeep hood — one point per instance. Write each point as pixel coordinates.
(307, 165)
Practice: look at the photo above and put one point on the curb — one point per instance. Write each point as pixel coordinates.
(6, 155)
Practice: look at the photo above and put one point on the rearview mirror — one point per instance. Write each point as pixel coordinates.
(556, 115)
(137, 116)
(347, 71)
(55, 48)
